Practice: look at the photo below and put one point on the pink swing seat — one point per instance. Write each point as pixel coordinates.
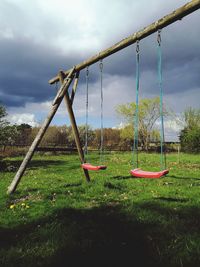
(146, 174)
(90, 167)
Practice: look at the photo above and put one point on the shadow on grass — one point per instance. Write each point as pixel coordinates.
(94, 237)
(45, 163)
(102, 236)
(72, 185)
(40, 163)
(118, 177)
(111, 186)
(171, 199)
(184, 178)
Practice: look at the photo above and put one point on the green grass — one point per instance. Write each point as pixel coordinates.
(55, 218)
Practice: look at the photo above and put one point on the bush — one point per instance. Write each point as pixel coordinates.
(190, 140)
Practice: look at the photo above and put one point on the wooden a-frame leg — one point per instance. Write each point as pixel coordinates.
(63, 89)
(74, 87)
(68, 103)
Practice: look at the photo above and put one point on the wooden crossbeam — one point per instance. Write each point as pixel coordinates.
(178, 14)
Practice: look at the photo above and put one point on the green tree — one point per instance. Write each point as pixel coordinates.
(67, 136)
(3, 114)
(82, 132)
(192, 118)
(126, 137)
(23, 134)
(54, 136)
(8, 132)
(149, 113)
(3, 124)
(111, 138)
(190, 135)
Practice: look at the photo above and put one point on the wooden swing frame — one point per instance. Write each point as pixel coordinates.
(67, 77)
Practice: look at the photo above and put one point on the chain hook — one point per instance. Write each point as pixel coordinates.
(101, 65)
(87, 71)
(137, 47)
(159, 37)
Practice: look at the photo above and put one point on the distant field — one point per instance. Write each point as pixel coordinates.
(56, 218)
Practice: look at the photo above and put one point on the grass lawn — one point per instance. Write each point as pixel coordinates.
(55, 218)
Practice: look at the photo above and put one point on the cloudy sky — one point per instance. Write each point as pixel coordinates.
(38, 38)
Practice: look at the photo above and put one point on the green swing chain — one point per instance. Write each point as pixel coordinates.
(102, 127)
(87, 107)
(86, 117)
(56, 86)
(160, 81)
(136, 115)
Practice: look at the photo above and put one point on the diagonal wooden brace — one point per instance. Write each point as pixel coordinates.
(74, 87)
(38, 138)
(68, 103)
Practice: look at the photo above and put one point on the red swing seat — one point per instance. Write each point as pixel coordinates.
(146, 174)
(90, 167)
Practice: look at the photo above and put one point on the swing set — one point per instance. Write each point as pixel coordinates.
(66, 78)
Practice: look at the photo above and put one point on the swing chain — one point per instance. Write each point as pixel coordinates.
(101, 65)
(101, 79)
(87, 81)
(86, 122)
(159, 37)
(136, 115)
(137, 47)
(162, 134)
(87, 72)
(56, 86)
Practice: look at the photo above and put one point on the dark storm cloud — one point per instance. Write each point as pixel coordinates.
(27, 66)
(25, 70)
(181, 57)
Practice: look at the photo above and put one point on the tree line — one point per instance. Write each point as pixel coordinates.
(114, 138)
(62, 136)
(190, 135)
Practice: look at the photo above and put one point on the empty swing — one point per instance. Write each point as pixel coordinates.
(137, 172)
(89, 166)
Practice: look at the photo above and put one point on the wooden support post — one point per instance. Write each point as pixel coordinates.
(41, 132)
(178, 14)
(68, 103)
(74, 87)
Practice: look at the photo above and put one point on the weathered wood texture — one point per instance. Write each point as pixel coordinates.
(68, 103)
(74, 87)
(178, 14)
(41, 132)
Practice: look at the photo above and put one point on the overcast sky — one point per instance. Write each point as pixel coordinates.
(38, 38)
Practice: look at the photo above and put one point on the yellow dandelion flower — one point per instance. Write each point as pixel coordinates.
(12, 206)
(23, 204)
